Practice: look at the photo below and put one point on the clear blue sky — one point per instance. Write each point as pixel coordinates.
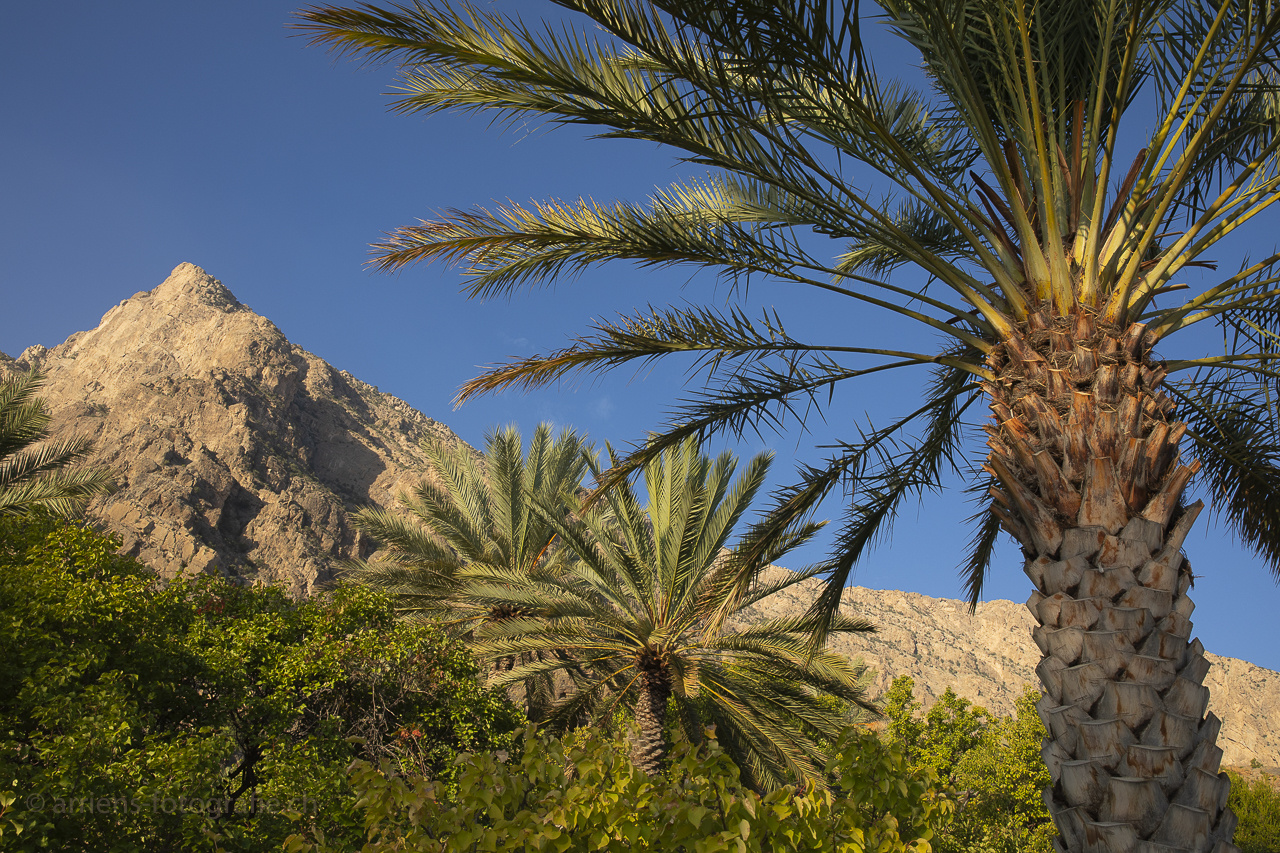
(138, 135)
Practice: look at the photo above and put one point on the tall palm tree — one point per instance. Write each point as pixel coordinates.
(473, 514)
(646, 617)
(34, 472)
(1071, 164)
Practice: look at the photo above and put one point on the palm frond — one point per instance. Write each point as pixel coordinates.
(875, 254)
(1235, 436)
(410, 540)
(885, 469)
(35, 472)
(1247, 124)
(987, 530)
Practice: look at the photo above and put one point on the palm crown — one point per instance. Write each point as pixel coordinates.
(1056, 263)
(647, 617)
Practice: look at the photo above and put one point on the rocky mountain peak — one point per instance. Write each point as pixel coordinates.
(236, 451)
(189, 284)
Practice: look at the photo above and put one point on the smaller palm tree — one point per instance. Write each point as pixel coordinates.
(470, 515)
(34, 472)
(647, 619)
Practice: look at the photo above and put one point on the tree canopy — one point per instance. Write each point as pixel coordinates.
(198, 715)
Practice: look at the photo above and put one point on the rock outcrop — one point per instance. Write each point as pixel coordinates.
(988, 656)
(235, 451)
(241, 453)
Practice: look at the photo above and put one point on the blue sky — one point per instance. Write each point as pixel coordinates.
(139, 135)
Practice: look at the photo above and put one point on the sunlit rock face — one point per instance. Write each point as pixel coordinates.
(988, 656)
(235, 451)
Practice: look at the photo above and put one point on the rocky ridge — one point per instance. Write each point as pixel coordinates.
(234, 450)
(240, 453)
(988, 655)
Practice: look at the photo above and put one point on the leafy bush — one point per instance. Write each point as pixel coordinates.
(1257, 805)
(583, 793)
(993, 762)
(199, 715)
(1001, 781)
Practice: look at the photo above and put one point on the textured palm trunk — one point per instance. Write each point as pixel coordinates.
(1084, 452)
(650, 749)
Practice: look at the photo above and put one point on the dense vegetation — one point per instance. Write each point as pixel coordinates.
(202, 716)
(583, 793)
(993, 763)
(1256, 803)
(141, 716)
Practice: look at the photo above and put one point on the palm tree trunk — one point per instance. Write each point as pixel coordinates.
(649, 752)
(1084, 453)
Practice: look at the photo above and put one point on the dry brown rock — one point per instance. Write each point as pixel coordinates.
(235, 450)
(988, 656)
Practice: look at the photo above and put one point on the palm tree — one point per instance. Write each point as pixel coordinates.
(646, 617)
(35, 475)
(1057, 227)
(469, 515)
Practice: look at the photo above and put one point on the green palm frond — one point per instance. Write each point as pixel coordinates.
(1236, 439)
(885, 472)
(1248, 124)
(886, 468)
(764, 586)
(986, 523)
(1063, 157)
(751, 397)
(772, 722)
(876, 255)
(34, 472)
(408, 538)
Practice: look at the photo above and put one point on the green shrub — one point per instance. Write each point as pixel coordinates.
(198, 715)
(993, 762)
(1257, 805)
(1001, 781)
(583, 793)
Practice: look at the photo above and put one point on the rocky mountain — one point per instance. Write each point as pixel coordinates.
(988, 656)
(241, 453)
(235, 451)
